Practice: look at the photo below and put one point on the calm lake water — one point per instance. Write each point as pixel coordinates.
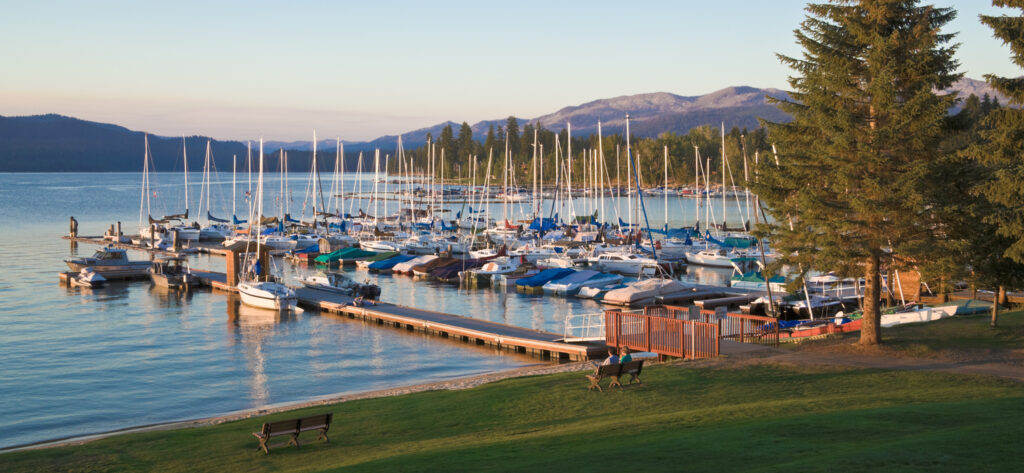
(77, 361)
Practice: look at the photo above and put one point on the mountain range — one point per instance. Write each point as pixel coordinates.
(51, 142)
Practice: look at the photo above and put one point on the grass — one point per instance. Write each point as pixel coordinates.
(749, 418)
(960, 338)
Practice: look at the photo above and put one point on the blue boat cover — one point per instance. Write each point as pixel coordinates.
(539, 279)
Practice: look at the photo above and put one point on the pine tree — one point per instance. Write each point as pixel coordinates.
(1001, 151)
(846, 189)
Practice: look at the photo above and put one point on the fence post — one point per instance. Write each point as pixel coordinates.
(647, 330)
(718, 336)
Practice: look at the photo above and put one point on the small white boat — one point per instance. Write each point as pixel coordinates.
(624, 263)
(267, 295)
(87, 278)
(380, 245)
(716, 257)
(279, 242)
(341, 284)
(110, 262)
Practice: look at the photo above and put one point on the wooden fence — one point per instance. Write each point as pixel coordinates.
(745, 328)
(661, 334)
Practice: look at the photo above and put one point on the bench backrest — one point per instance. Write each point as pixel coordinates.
(315, 421)
(633, 367)
(289, 425)
(610, 370)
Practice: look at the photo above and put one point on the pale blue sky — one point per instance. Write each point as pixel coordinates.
(239, 70)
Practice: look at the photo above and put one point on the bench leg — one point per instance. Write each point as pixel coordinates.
(635, 378)
(595, 382)
(323, 436)
(615, 382)
(294, 440)
(263, 446)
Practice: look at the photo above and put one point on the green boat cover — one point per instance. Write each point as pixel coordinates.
(344, 253)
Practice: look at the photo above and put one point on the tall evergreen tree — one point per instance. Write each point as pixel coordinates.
(465, 143)
(846, 191)
(512, 134)
(491, 140)
(1001, 151)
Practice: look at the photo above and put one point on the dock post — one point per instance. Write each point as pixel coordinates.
(118, 234)
(73, 227)
(174, 240)
(152, 235)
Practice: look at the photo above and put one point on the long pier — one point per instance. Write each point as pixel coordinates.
(467, 329)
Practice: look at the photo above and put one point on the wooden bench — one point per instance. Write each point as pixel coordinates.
(292, 428)
(605, 371)
(632, 368)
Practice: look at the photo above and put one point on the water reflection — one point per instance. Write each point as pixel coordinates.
(252, 327)
(169, 298)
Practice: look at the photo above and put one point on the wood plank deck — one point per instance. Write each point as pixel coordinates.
(468, 329)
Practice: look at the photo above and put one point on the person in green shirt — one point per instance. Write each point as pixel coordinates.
(626, 357)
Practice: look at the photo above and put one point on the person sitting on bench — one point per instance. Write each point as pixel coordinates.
(612, 359)
(626, 357)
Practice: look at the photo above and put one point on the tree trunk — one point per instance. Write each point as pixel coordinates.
(870, 329)
(996, 298)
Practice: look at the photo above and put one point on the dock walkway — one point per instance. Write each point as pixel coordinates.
(467, 329)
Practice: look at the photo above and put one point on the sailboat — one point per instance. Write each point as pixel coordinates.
(257, 289)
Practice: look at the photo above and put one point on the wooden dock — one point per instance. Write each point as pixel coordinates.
(467, 329)
(208, 247)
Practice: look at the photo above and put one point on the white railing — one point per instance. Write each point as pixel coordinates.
(584, 327)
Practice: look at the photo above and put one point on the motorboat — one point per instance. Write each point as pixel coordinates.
(172, 273)
(279, 242)
(795, 306)
(305, 240)
(110, 262)
(559, 261)
(420, 245)
(645, 291)
(380, 245)
(341, 284)
(532, 253)
(87, 278)
(267, 295)
(716, 257)
(625, 263)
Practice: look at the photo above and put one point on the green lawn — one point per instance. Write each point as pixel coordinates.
(753, 418)
(962, 337)
(973, 332)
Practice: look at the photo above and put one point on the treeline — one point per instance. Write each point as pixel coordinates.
(462, 151)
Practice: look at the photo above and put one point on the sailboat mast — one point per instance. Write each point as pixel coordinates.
(600, 154)
(666, 191)
(725, 226)
(536, 198)
(696, 183)
(184, 156)
(234, 170)
(315, 179)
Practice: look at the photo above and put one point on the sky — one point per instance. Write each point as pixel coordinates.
(359, 70)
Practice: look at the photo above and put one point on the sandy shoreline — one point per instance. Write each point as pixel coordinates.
(452, 384)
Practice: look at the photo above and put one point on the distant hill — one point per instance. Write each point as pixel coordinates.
(58, 143)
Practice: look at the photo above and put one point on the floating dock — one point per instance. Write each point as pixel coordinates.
(467, 329)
